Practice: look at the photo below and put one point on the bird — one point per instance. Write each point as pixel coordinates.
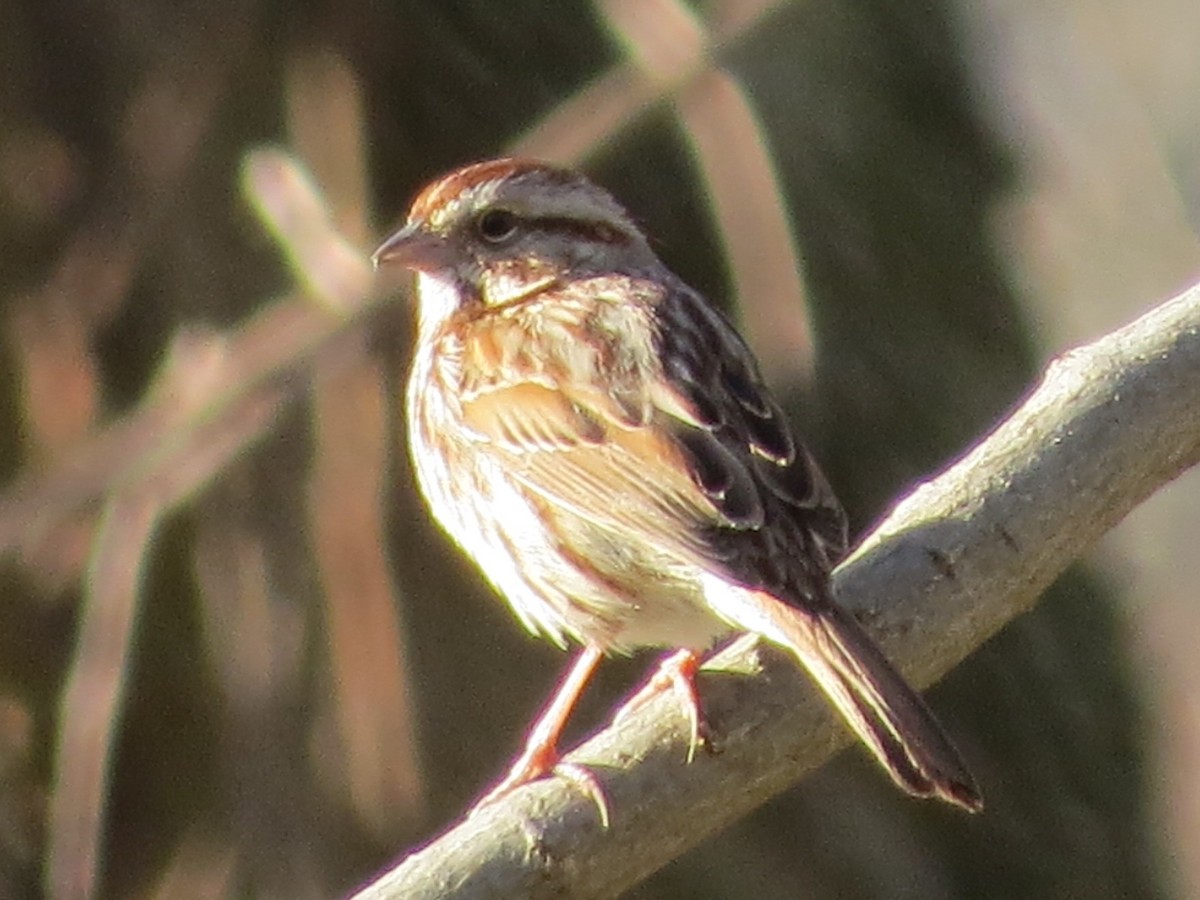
(596, 436)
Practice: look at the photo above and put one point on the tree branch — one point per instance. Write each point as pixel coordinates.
(953, 562)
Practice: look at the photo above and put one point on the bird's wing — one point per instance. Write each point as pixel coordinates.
(734, 426)
(658, 427)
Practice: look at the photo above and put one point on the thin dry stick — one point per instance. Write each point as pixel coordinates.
(152, 462)
(749, 204)
(668, 43)
(957, 559)
(378, 752)
(92, 703)
(593, 115)
(271, 347)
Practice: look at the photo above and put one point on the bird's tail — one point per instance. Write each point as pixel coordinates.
(890, 717)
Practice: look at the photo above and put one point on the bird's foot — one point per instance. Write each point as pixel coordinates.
(539, 761)
(676, 673)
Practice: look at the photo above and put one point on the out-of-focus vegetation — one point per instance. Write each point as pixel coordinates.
(235, 658)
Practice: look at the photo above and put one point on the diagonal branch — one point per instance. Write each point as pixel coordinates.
(954, 561)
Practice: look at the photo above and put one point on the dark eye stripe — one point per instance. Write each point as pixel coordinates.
(596, 232)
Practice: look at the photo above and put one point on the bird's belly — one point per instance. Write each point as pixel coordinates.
(564, 576)
(644, 596)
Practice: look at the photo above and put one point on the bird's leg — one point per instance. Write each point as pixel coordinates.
(541, 755)
(677, 672)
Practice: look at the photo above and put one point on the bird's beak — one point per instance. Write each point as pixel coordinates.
(414, 247)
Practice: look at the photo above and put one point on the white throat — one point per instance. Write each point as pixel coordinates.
(438, 299)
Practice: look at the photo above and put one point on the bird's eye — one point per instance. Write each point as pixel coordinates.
(496, 225)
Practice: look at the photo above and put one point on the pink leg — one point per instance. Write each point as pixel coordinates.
(541, 756)
(677, 672)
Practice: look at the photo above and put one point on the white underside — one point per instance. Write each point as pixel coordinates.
(550, 594)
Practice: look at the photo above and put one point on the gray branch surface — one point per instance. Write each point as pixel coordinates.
(954, 561)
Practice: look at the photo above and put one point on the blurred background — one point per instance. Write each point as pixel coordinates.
(235, 658)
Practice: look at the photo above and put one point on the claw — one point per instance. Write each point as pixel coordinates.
(678, 673)
(588, 784)
(537, 762)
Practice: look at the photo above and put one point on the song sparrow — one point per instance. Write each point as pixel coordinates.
(598, 439)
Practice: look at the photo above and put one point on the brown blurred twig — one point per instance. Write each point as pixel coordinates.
(959, 557)
(268, 350)
(54, 327)
(216, 396)
(584, 121)
(673, 54)
(91, 703)
(365, 640)
(674, 50)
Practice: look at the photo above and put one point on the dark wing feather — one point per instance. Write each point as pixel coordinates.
(802, 535)
(736, 434)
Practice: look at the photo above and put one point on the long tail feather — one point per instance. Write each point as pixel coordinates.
(875, 700)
